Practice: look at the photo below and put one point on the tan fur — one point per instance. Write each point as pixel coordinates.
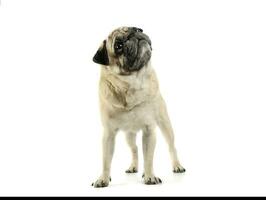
(132, 103)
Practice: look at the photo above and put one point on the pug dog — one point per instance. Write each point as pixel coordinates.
(130, 101)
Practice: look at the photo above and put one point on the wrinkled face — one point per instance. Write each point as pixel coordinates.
(126, 50)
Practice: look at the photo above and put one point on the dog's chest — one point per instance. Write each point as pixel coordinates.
(131, 106)
(126, 94)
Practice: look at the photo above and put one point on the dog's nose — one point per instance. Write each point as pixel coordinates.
(137, 29)
(134, 32)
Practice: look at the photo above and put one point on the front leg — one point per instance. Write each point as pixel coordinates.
(148, 144)
(108, 151)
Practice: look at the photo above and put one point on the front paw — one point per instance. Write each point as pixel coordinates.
(151, 180)
(101, 182)
(179, 169)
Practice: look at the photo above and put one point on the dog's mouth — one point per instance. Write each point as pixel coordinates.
(124, 74)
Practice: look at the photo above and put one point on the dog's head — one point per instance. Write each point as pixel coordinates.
(126, 50)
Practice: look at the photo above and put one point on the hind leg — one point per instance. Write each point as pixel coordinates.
(131, 140)
(167, 131)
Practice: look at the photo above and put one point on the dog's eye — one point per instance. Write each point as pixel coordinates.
(118, 46)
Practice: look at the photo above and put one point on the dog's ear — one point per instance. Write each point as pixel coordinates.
(101, 56)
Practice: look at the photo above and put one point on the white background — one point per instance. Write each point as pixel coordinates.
(210, 58)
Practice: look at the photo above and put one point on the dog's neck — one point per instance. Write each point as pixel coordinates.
(135, 80)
